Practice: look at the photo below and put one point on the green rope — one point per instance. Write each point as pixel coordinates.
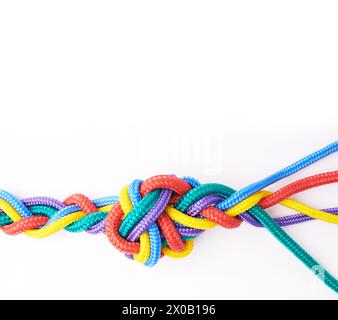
(263, 217)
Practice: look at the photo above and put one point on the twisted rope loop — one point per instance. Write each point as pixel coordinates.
(162, 216)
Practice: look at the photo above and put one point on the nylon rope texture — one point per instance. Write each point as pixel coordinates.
(163, 215)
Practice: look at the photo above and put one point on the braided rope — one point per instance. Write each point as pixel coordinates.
(162, 216)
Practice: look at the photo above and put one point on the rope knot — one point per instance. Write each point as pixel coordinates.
(161, 216)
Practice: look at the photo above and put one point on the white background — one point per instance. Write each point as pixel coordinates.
(96, 93)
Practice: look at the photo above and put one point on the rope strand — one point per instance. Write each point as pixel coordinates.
(162, 216)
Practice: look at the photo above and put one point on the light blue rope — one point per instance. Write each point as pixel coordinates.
(252, 188)
(154, 233)
(15, 203)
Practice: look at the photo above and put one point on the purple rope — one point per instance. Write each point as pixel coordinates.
(285, 221)
(202, 204)
(97, 228)
(151, 216)
(194, 210)
(42, 201)
(205, 202)
(189, 232)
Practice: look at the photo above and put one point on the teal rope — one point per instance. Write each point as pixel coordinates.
(293, 246)
(263, 217)
(231, 198)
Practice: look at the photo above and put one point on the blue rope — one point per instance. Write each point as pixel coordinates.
(254, 187)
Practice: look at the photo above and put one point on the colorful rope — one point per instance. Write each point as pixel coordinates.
(162, 216)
